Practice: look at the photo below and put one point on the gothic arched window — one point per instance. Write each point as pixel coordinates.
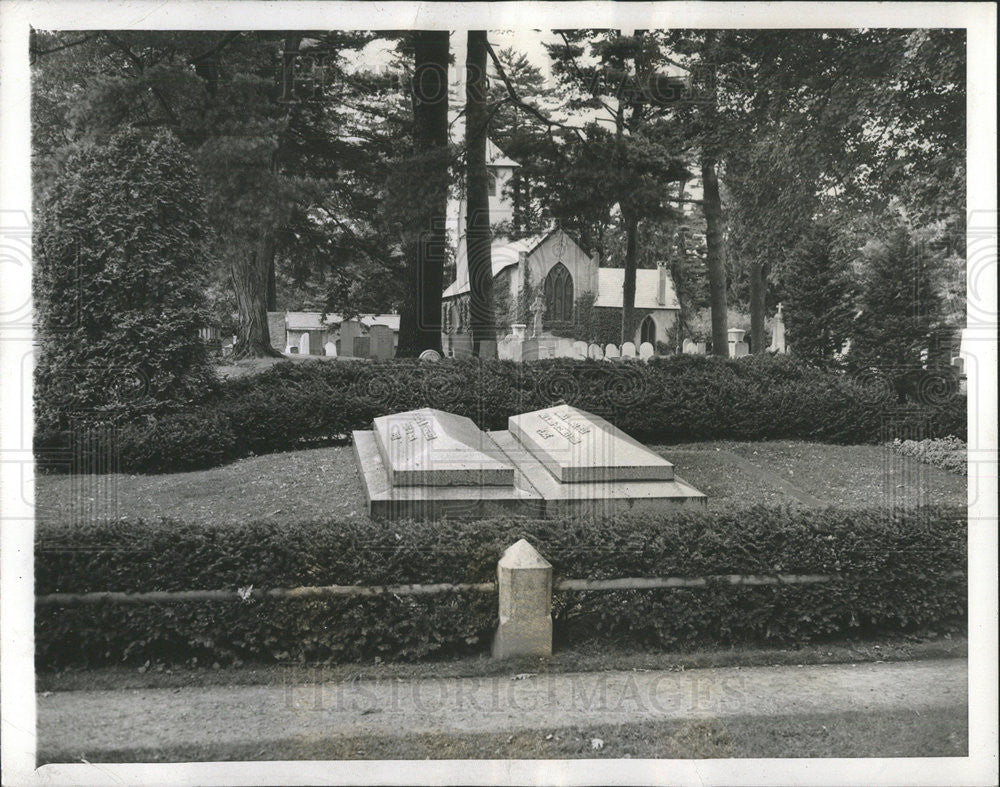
(559, 294)
(647, 331)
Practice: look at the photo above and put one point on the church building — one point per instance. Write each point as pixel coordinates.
(558, 273)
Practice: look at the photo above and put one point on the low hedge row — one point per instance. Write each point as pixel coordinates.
(948, 453)
(897, 566)
(670, 399)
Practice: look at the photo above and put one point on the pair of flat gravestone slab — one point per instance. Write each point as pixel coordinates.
(553, 462)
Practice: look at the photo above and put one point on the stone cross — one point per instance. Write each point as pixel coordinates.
(524, 581)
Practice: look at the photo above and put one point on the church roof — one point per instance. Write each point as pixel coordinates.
(496, 157)
(611, 280)
(503, 254)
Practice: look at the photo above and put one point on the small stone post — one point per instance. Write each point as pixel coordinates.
(524, 579)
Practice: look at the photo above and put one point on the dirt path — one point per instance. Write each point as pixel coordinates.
(82, 723)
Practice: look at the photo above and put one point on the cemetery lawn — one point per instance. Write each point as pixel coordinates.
(896, 733)
(323, 482)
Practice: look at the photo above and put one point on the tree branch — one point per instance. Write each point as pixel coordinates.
(518, 102)
(35, 52)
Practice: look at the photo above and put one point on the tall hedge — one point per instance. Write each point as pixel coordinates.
(897, 569)
(678, 398)
(119, 285)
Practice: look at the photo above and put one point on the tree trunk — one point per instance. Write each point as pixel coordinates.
(716, 256)
(249, 277)
(477, 200)
(628, 287)
(272, 285)
(420, 320)
(758, 295)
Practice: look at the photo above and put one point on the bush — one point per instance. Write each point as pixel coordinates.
(897, 566)
(177, 441)
(673, 399)
(119, 286)
(949, 452)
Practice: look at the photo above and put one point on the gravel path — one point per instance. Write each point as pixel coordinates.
(82, 723)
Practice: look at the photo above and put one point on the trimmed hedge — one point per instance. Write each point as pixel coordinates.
(948, 453)
(672, 399)
(897, 567)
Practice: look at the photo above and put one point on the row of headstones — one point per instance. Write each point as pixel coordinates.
(611, 352)
(378, 344)
(581, 351)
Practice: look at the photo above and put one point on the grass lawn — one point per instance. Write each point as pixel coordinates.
(324, 482)
(943, 733)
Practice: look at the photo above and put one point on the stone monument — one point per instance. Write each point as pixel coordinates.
(560, 461)
(537, 313)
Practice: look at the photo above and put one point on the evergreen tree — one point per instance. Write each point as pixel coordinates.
(819, 295)
(899, 308)
(119, 284)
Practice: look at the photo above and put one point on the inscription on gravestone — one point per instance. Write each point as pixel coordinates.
(576, 446)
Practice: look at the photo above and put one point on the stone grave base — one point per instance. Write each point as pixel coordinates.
(536, 490)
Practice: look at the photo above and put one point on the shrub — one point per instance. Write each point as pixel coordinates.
(119, 286)
(176, 441)
(949, 452)
(897, 567)
(291, 405)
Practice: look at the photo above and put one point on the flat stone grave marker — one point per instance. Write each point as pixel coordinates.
(576, 446)
(430, 447)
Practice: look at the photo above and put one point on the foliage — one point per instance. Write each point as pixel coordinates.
(119, 276)
(819, 295)
(670, 399)
(899, 307)
(949, 452)
(898, 567)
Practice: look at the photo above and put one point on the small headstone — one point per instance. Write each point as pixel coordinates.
(628, 350)
(519, 330)
(579, 350)
(430, 355)
(362, 346)
(461, 345)
(524, 584)
(646, 351)
(689, 347)
(330, 348)
(564, 347)
(595, 352)
(740, 349)
(509, 348)
(611, 352)
(349, 331)
(701, 348)
(382, 340)
(304, 344)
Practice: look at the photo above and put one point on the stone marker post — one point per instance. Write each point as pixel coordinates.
(524, 579)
